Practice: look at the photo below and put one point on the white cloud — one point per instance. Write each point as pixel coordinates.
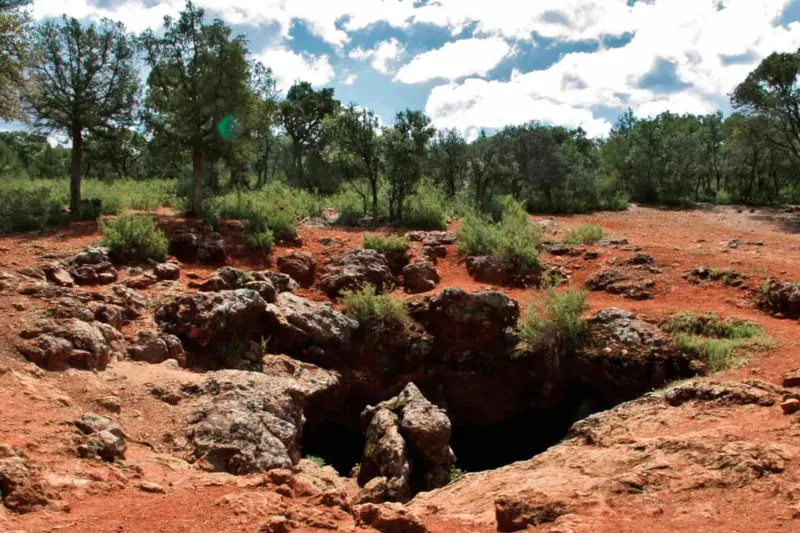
(382, 57)
(348, 78)
(135, 14)
(289, 67)
(456, 60)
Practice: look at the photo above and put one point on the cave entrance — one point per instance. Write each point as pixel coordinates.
(481, 447)
(339, 445)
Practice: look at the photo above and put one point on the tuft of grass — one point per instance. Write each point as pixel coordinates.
(385, 244)
(456, 474)
(513, 239)
(716, 342)
(559, 327)
(587, 234)
(319, 461)
(364, 305)
(134, 238)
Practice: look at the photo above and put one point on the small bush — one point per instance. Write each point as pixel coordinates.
(718, 354)
(319, 461)
(583, 235)
(27, 205)
(513, 239)
(385, 244)
(709, 325)
(456, 474)
(134, 238)
(560, 324)
(365, 304)
(425, 209)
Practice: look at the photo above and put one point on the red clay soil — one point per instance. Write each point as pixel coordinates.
(37, 407)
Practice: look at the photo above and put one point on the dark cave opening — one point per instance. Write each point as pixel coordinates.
(339, 445)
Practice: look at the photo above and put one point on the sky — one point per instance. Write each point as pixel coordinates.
(484, 64)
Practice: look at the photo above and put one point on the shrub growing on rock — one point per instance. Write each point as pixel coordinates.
(365, 304)
(559, 326)
(584, 235)
(134, 238)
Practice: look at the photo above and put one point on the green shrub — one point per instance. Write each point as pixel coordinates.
(364, 305)
(716, 342)
(513, 239)
(121, 194)
(456, 474)
(27, 205)
(350, 207)
(134, 238)
(583, 235)
(425, 209)
(559, 324)
(319, 461)
(386, 244)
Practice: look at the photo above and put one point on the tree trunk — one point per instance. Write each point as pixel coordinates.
(374, 183)
(196, 205)
(297, 163)
(76, 167)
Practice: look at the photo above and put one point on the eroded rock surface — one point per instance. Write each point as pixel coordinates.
(63, 343)
(355, 269)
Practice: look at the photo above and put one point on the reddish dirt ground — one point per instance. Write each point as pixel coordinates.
(37, 406)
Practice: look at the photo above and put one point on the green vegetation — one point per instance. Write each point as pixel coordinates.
(583, 235)
(319, 461)
(134, 238)
(456, 474)
(716, 342)
(30, 205)
(513, 239)
(365, 305)
(425, 209)
(388, 245)
(559, 324)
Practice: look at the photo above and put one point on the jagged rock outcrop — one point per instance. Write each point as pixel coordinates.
(214, 316)
(466, 326)
(302, 327)
(355, 269)
(247, 422)
(616, 281)
(59, 344)
(421, 276)
(433, 253)
(167, 271)
(267, 283)
(407, 447)
(301, 266)
(487, 269)
(782, 297)
(726, 276)
(93, 266)
(432, 238)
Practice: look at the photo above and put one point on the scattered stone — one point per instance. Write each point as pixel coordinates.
(782, 297)
(184, 246)
(790, 406)
(355, 269)
(152, 347)
(792, 379)
(112, 404)
(167, 271)
(55, 273)
(211, 249)
(152, 488)
(532, 508)
(726, 276)
(301, 266)
(144, 281)
(547, 226)
(612, 243)
(419, 277)
(168, 395)
(747, 392)
(389, 518)
(102, 438)
(433, 253)
(431, 237)
(603, 279)
(641, 259)
(22, 486)
(591, 255)
(487, 269)
(562, 249)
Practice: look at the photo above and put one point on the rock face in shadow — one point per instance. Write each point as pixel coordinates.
(407, 448)
(782, 297)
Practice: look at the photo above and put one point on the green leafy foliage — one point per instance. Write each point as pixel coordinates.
(134, 238)
(319, 461)
(559, 324)
(584, 235)
(716, 342)
(365, 305)
(513, 239)
(386, 244)
(425, 209)
(30, 205)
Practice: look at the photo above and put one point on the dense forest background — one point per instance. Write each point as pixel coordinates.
(207, 120)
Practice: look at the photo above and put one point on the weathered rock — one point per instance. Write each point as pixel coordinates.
(301, 266)
(516, 513)
(389, 518)
(591, 255)
(214, 316)
(212, 249)
(22, 487)
(725, 393)
(431, 237)
(782, 297)
(184, 245)
(152, 347)
(355, 269)
(112, 404)
(110, 314)
(464, 325)
(620, 330)
(282, 282)
(55, 273)
(265, 289)
(641, 259)
(249, 422)
(268, 284)
(101, 438)
(433, 253)
(128, 299)
(634, 290)
(407, 442)
(421, 276)
(63, 343)
(167, 271)
(93, 266)
(726, 276)
(141, 282)
(790, 406)
(792, 379)
(603, 279)
(298, 325)
(487, 269)
(563, 249)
